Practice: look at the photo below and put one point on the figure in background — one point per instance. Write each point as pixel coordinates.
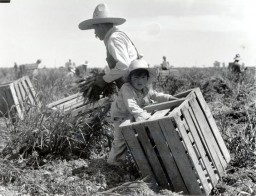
(165, 65)
(82, 69)
(68, 64)
(237, 68)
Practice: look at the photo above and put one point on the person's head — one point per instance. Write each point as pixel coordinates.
(164, 57)
(139, 74)
(101, 30)
(237, 58)
(138, 78)
(101, 21)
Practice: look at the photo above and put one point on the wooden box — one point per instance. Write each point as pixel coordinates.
(180, 146)
(16, 96)
(75, 104)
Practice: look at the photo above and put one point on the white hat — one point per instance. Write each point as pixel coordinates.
(141, 64)
(100, 15)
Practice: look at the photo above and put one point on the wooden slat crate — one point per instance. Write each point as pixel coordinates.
(180, 146)
(164, 74)
(75, 104)
(16, 96)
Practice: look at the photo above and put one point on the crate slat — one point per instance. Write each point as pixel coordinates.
(27, 92)
(209, 140)
(16, 88)
(74, 104)
(164, 105)
(167, 158)
(180, 156)
(192, 154)
(62, 101)
(136, 151)
(16, 101)
(213, 125)
(159, 114)
(22, 92)
(151, 156)
(31, 90)
(200, 148)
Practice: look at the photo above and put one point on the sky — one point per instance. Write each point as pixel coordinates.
(188, 32)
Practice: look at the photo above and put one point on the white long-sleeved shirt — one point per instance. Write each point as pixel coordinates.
(122, 50)
(130, 102)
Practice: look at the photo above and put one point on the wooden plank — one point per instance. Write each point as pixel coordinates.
(74, 105)
(164, 105)
(205, 130)
(18, 93)
(179, 153)
(137, 151)
(183, 94)
(69, 105)
(167, 158)
(32, 90)
(88, 107)
(192, 155)
(159, 114)
(152, 156)
(27, 91)
(16, 101)
(199, 145)
(22, 92)
(213, 125)
(62, 101)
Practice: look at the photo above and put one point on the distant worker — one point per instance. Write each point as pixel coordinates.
(165, 64)
(85, 65)
(82, 69)
(68, 64)
(237, 68)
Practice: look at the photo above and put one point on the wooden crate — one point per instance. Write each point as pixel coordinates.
(180, 146)
(75, 104)
(164, 74)
(17, 96)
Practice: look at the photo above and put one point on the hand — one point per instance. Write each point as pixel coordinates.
(100, 82)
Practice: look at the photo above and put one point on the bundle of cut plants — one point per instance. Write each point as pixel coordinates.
(91, 92)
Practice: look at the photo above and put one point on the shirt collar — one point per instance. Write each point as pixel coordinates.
(110, 31)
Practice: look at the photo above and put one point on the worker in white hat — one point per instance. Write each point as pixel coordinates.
(120, 49)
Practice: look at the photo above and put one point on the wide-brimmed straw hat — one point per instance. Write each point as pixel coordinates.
(100, 15)
(237, 57)
(141, 64)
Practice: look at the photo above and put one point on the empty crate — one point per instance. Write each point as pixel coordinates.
(180, 146)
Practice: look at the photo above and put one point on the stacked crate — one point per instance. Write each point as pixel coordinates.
(17, 96)
(180, 146)
(76, 104)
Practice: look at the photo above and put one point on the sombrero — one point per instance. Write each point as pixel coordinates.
(100, 15)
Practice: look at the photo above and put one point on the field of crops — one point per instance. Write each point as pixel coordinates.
(55, 154)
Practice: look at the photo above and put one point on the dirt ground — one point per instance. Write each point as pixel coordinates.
(70, 177)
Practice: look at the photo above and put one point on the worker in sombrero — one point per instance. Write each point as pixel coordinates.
(120, 49)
